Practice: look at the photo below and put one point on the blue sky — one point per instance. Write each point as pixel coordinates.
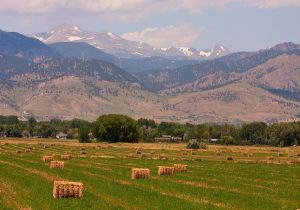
(238, 24)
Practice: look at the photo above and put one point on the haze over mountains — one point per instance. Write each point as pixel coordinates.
(68, 72)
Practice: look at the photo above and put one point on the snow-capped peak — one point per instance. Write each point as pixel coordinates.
(186, 51)
(76, 28)
(111, 35)
(220, 50)
(118, 46)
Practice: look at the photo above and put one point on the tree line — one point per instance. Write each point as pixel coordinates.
(120, 128)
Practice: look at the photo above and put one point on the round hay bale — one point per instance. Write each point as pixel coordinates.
(230, 158)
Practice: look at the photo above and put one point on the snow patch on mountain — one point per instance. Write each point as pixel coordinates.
(74, 38)
(205, 53)
(186, 51)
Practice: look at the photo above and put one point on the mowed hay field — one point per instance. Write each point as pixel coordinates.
(219, 177)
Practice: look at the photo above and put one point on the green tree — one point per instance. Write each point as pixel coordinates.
(227, 140)
(83, 134)
(206, 134)
(254, 132)
(146, 123)
(46, 130)
(116, 128)
(284, 134)
(31, 125)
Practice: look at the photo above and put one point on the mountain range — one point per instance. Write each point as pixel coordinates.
(120, 47)
(66, 77)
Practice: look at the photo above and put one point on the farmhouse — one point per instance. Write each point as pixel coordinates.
(213, 140)
(3, 134)
(61, 135)
(168, 138)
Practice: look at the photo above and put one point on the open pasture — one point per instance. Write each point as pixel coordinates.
(219, 177)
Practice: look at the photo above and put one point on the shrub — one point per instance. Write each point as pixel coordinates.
(227, 140)
(202, 145)
(193, 144)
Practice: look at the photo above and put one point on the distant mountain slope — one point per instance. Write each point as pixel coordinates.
(234, 102)
(17, 44)
(70, 97)
(85, 51)
(237, 62)
(12, 67)
(120, 47)
(280, 75)
(82, 51)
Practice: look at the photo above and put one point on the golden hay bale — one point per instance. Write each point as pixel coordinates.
(165, 170)
(229, 158)
(129, 156)
(82, 156)
(140, 173)
(294, 161)
(162, 157)
(65, 189)
(65, 157)
(47, 158)
(57, 164)
(180, 168)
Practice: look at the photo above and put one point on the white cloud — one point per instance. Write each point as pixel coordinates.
(30, 6)
(129, 8)
(181, 35)
(272, 3)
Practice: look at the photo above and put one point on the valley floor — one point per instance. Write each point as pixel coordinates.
(257, 177)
